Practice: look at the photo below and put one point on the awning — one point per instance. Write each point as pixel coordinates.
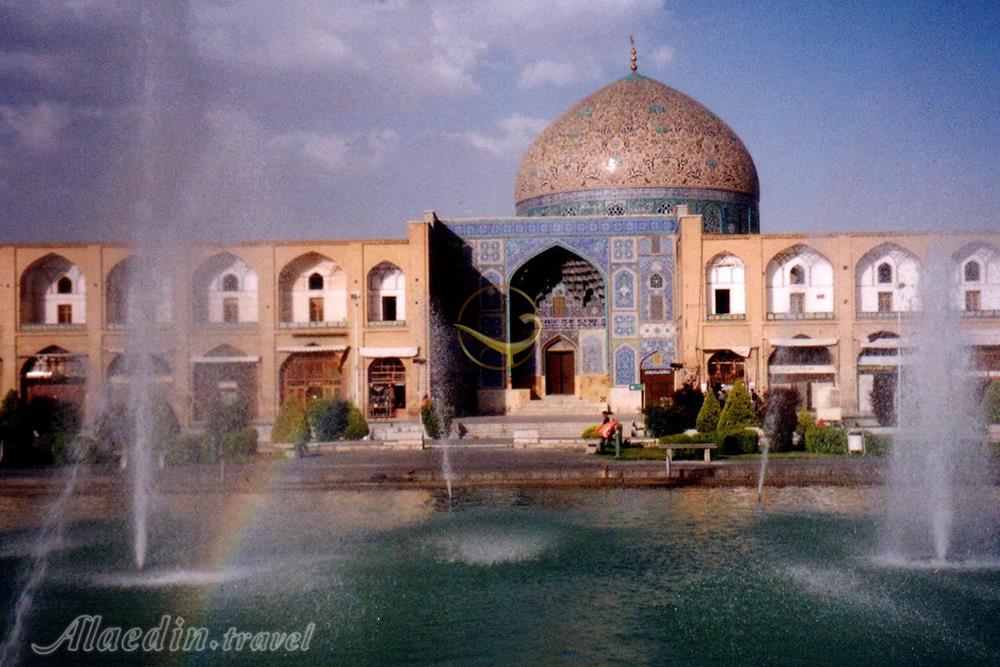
(385, 352)
(803, 342)
(883, 343)
(305, 349)
(803, 369)
(871, 360)
(224, 360)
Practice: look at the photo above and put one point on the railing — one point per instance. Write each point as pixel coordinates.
(45, 326)
(980, 313)
(886, 315)
(800, 316)
(331, 324)
(386, 324)
(574, 322)
(228, 326)
(727, 317)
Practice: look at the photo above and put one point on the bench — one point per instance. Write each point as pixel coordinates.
(706, 446)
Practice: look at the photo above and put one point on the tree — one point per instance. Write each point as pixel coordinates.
(780, 407)
(357, 425)
(708, 416)
(329, 421)
(738, 411)
(991, 403)
(291, 424)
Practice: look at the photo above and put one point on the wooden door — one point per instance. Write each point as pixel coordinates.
(560, 377)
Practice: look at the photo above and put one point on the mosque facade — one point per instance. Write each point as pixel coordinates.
(634, 264)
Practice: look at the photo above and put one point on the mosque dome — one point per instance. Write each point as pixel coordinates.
(639, 146)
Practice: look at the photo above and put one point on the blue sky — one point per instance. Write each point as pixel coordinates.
(320, 119)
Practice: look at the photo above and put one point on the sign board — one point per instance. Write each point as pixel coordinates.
(636, 387)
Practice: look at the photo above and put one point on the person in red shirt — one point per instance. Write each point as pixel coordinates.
(606, 430)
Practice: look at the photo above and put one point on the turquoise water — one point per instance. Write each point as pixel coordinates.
(515, 576)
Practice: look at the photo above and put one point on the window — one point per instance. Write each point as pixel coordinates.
(558, 306)
(64, 286)
(388, 309)
(654, 246)
(316, 309)
(656, 307)
(884, 273)
(64, 313)
(721, 302)
(797, 276)
(315, 281)
(797, 303)
(972, 272)
(656, 281)
(885, 302)
(230, 283)
(230, 311)
(972, 300)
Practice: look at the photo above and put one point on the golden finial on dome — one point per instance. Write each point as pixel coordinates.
(635, 64)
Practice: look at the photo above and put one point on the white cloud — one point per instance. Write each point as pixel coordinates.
(427, 47)
(662, 56)
(544, 72)
(336, 154)
(36, 128)
(514, 134)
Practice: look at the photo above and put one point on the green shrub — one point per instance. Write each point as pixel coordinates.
(188, 449)
(805, 421)
(429, 418)
(240, 445)
(708, 417)
(826, 440)
(291, 424)
(675, 414)
(329, 419)
(664, 418)
(682, 439)
(780, 417)
(357, 425)
(876, 445)
(115, 428)
(991, 403)
(738, 411)
(738, 442)
(590, 433)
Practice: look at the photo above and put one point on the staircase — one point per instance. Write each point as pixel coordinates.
(559, 406)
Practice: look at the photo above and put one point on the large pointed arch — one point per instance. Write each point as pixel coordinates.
(53, 291)
(312, 291)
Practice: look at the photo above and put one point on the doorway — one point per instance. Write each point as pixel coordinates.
(560, 373)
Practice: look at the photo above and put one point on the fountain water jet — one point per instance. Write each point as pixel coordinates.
(937, 502)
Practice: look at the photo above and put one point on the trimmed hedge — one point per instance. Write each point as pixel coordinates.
(708, 416)
(357, 425)
(328, 418)
(682, 439)
(826, 440)
(991, 403)
(590, 433)
(291, 424)
(739, 442)
(241, 444)
(875, 444)
(738, 411)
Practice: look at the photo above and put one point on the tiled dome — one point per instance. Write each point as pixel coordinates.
(635, 133)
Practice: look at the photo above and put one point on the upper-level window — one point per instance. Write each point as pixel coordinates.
(797, 276)
(884, 273)
(64, 286)
(315, 281)
(973, 272)
(230, 283)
